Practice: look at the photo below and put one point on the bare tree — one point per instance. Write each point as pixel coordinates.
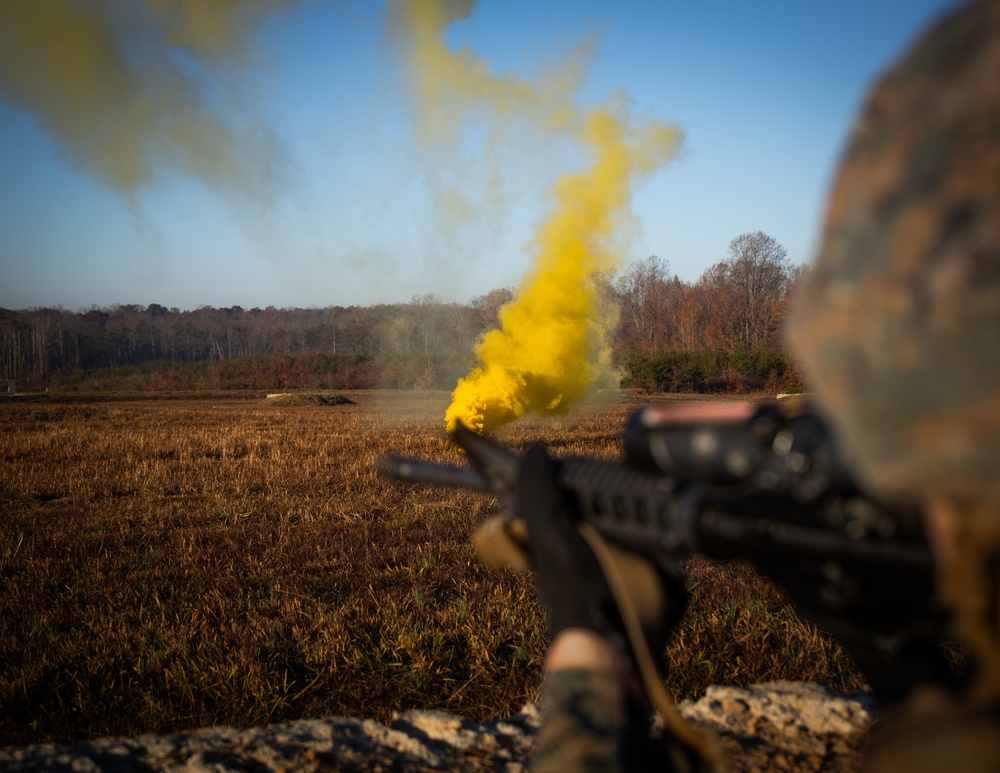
(755, 277)
(644, 297)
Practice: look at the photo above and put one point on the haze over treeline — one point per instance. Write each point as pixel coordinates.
(721, 332)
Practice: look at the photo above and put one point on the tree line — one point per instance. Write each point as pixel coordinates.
(720, 332)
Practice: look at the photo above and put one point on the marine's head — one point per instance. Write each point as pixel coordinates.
(898, 325)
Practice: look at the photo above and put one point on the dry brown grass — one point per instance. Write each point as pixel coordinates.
(167, 564)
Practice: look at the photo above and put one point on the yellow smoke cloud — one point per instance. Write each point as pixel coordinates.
(552, 346)
(447, 85)
(121, 86)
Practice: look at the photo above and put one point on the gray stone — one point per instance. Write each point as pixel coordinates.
(795, 708)
(770, 726)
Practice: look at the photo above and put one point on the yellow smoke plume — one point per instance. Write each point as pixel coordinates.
(551, 347)
(121, 86)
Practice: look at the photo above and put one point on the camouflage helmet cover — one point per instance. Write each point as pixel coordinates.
(898, 324)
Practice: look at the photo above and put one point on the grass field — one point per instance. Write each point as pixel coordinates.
(175, 563)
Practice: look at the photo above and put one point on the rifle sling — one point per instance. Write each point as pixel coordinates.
(639, 595)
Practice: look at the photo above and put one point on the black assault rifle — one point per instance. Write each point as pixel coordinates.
(772, 489)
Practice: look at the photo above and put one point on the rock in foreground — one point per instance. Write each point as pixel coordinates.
(774, 726)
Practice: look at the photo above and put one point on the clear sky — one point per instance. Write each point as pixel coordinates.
(347, 208)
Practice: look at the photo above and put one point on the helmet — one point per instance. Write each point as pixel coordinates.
(898, 324)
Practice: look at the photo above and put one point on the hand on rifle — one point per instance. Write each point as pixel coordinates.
(586, 625)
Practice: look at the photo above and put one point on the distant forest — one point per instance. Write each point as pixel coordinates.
(721, 333)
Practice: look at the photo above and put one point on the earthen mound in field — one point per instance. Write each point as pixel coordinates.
(308, 399)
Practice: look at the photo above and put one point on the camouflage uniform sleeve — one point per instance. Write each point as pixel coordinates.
(585, 725)
(591, 723)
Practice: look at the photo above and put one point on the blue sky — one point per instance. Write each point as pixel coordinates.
(765, 94)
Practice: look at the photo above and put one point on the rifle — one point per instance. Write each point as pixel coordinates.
(772, 489)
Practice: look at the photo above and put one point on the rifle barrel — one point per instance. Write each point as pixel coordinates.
(420, 471)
